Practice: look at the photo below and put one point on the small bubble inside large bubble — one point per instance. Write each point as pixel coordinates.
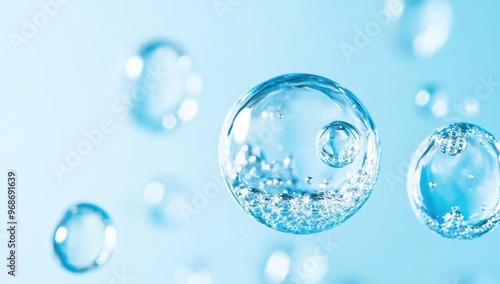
(338, 144)
(452, 140)
(291, 150)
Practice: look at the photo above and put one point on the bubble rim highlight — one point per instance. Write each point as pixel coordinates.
(254, 95)
(413, 181)
(98, 262)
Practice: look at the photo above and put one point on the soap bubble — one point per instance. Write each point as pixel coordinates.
(164, 88)
(85, 238)
(299, 153)
(453, 181)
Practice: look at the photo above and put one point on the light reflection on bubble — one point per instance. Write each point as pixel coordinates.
(154, 192)
(277, 267)
(299, 153)
(133, 67)
(470, 106)
(165, 198)
(85, 238)
(432, 102)
(195, 274)
(425, 26)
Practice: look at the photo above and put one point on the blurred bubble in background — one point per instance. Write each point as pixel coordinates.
(432, 102)
(300, 263)
(165, 197)
(196, 273)
(163, 87)
(425, 26)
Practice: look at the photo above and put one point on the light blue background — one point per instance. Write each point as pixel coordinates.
(64, 79)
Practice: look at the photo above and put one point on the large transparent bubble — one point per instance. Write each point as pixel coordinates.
(454, 181)
(299, 153)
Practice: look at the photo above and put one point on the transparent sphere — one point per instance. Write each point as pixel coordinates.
(432, 102)
(295, 264)
(194, 272)
(454, 179)
(163, 87)
(470, 106)
(85, 238)
(165, 196)
(425, 26)
(299, 153)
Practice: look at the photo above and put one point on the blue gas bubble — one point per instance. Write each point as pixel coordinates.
(470, 106)
(339, 144)
(166, 197)
(432, 102)
(196, 273)
(163, 88)
(85, 238)
(302, 263)
(454, 181)
(299, 153)
(425, 26)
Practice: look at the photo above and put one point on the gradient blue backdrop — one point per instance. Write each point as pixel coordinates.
(64, 79)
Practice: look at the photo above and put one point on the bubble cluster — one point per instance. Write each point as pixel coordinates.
(299, 153)
(452, 140)
(163, 86)
(454, 181)
(85, 238)
(432, 101)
